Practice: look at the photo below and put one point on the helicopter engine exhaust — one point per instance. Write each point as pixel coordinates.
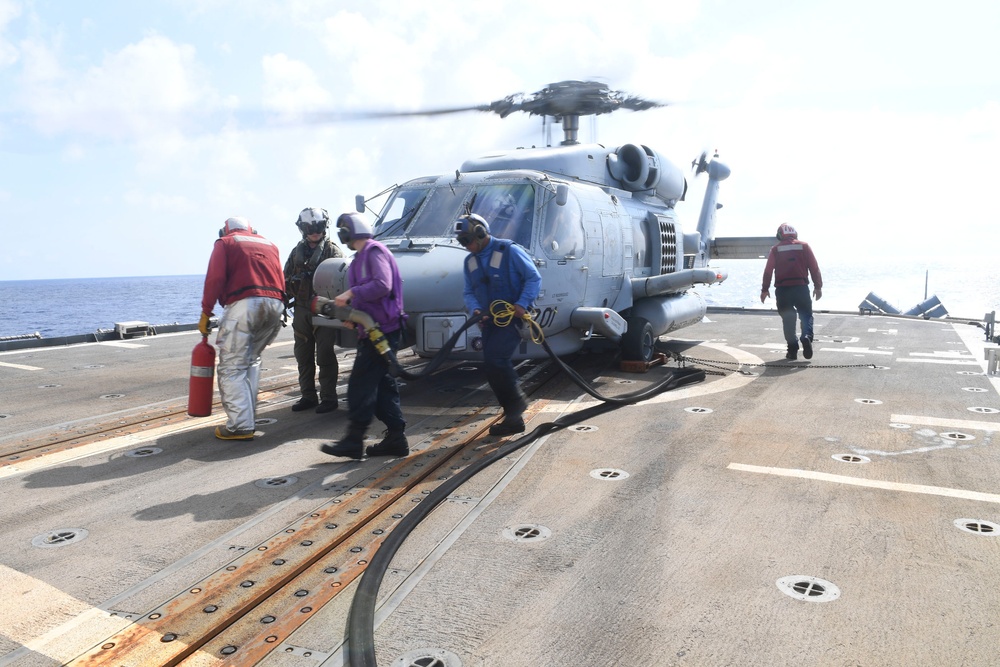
(639, 169)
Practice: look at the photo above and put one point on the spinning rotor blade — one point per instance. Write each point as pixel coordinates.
(700, 164)
(322, 117)
(558, 100)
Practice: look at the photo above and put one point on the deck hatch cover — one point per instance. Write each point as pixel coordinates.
(427, 657)
(60, 537)
(144, 451)
(851, 458)
(272, 482)
(809, 589)
(608, 474)
(978, 527)
(527, 532)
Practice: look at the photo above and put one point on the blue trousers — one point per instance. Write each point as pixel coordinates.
(792, 301)
(371, 391)
(499, 344)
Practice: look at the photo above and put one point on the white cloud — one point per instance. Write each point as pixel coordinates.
(798, 99)
(291, 86)
(146, 87)
(9, 10)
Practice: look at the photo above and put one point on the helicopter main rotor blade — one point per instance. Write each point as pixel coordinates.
(321, 117)
(558, 100)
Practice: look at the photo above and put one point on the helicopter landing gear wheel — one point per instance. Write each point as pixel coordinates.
(638, 343)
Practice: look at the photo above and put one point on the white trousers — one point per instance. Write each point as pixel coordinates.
(245, 329)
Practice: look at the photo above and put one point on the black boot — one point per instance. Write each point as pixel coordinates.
(510, 425)
(514, 403)
(793, 352)
(393, 444)
(351, 445)
(807, 347)
(304, 404)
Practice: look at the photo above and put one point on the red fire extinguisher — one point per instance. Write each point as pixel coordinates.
(202, 379)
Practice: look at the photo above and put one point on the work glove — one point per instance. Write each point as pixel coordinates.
(764, 295)
(817, 293)
(205, 324)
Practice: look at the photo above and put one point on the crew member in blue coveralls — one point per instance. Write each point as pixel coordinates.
(244, 276)
(792, 262)
(375, 288)
(498, 269)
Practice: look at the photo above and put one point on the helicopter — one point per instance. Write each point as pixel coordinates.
(599, 222)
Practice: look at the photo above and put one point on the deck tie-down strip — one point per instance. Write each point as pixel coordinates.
(307, 550)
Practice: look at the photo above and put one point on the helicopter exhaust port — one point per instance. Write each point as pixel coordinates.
(639, 168)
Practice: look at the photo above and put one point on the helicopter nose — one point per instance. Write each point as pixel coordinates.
(435, 279)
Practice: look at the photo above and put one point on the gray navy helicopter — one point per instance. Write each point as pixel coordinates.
(600, 222)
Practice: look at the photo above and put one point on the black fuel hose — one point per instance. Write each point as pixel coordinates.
(360, 650)
(326, 307)
(436, 360)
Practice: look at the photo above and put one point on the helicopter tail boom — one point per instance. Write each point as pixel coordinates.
(717, 172)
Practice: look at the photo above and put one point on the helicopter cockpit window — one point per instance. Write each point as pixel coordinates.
(399, 211)
(509, 210)
(437, 210)
(562, 235)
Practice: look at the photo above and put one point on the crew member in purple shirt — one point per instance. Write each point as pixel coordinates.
(376, 289)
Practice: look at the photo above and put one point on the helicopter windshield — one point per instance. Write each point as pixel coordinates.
(508, 208)
(423, 212)
(431, 212)
(399, 211)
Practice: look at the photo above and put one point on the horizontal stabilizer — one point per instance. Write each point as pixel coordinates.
(741, 247)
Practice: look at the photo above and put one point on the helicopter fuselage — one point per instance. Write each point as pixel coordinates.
(600, 224)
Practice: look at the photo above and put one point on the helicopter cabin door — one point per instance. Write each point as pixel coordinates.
(561, 257)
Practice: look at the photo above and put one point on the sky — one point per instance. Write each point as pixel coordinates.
(129, 131)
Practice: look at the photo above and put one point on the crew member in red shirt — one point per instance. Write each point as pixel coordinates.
(244, 277)
(792, 262)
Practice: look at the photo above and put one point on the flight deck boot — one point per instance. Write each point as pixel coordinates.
(351, 445)
(807, 347)
(393, 444)
(513, 416)
(793, 352)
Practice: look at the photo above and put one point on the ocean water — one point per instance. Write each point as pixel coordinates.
(71, 307)
(967, 291)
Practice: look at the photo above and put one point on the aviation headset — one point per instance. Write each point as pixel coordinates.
(472, 225)
(351, 226)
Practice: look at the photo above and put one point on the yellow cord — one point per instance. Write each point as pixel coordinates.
(503, 313)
